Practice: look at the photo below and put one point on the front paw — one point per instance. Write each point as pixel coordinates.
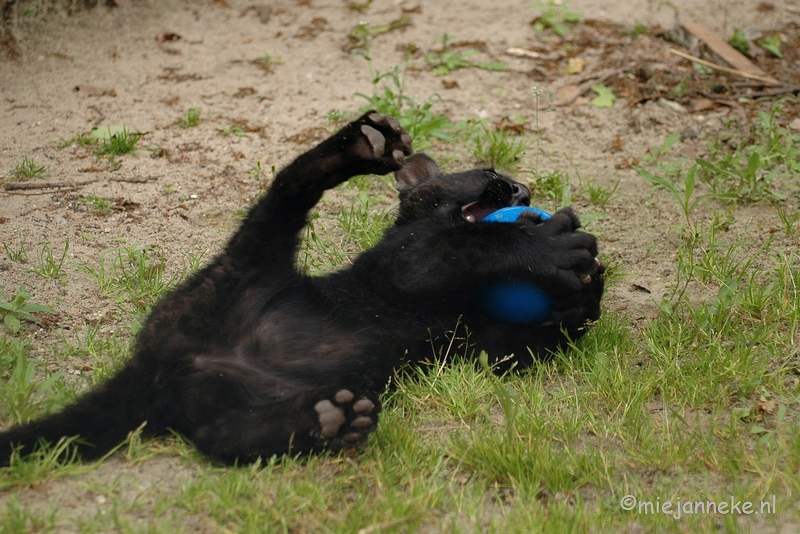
(566, 259)
(378, 144)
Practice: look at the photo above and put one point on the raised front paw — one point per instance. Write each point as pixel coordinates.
(565, 258)
(346, 421)
(378, 144)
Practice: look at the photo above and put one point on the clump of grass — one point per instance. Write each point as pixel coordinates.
(15, 309)
(497, 148)
(19, 256)
(554, 14)
(97, 204)
(135, 278)
(389, 98)
(28, 169)
(233, 129)
(48, 265)
(116, 142)
(191, 118)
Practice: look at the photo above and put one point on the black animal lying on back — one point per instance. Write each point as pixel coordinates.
(249, 357)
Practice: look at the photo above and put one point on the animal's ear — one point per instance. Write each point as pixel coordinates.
(415, 170)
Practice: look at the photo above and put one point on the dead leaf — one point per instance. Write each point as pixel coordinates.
(568, 93)
(765, 405)
(163, 37)
(704, 104)
(575, 65)
(243, 92)
(616, 144)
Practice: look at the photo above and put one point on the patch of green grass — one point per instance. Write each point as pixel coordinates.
(15, 309)
(389, 98)
(135, 278)
(553, 187)
(232, 129)
(97, 204)
(105, 352)
(498, 148)
(19, 256)
(600, 195)
(115, 141)
(24, 395)
(553, 14)
(739, 40)
(27, 169)
(448, 59)
(50, 265)
(191, 118)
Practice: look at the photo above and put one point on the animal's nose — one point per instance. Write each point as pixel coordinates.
(520, 196)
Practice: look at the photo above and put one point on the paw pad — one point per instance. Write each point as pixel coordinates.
(344, 423)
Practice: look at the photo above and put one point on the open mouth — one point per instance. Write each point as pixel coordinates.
(476, 211)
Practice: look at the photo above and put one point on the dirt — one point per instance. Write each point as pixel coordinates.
(144, 64)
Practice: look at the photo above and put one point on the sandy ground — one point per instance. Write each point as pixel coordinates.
(106, 67)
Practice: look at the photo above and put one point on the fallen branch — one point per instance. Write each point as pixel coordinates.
(766, 79)
(788, 90)
(26, 186)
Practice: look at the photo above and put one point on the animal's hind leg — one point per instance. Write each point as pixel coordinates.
(336, 419)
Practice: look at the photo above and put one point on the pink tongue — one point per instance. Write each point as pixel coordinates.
(475, 212)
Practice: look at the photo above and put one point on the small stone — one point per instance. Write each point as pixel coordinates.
(673, 106)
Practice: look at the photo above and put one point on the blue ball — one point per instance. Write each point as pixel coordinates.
(515, 301)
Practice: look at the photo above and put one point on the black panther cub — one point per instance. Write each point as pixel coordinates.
(250, 357)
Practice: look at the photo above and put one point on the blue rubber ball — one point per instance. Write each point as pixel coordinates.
(515, 301)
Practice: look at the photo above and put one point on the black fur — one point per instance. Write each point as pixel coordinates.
(249, 357)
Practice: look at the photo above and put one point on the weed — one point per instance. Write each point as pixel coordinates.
(772, 44)
(363, 228)
(191, 118)
(17, 308)
(639, 29)
(98, 205)
(554, 187)
(554, 14)
(107, 352)
(116, 142)
(46, 263)
(684, 196)
(28, 169)
(19, 256)
(447, 59)
(81, 140)
(599, 195)
(135, 279)
(336, 117)
(363, 32)
(497, 149)
(759, 156)
(789, 221)
(657, 152)
(232, 129)
(389, 98)
(267, 63)
(256, 172)
(739, 40)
